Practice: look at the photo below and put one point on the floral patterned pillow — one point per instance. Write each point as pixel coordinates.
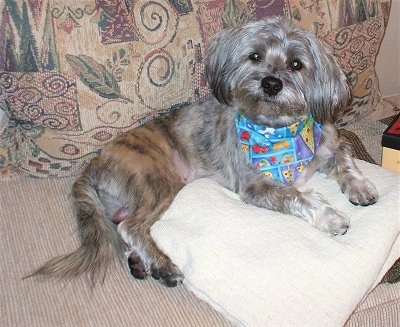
(74, 76)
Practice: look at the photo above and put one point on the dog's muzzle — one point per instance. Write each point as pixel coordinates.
(271, 85)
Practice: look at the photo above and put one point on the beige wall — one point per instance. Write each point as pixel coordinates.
(388, 60)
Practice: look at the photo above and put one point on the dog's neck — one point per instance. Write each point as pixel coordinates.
(280, 153)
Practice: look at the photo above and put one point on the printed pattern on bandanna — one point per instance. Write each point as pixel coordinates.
(279, 153)
(117, 64)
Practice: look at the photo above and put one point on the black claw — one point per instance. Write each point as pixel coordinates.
(371, 201)
(367, 203)
(345, 229)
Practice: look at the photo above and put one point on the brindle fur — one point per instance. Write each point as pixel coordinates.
(142, 170)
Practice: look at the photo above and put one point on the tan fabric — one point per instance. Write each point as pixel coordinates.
(37, 224)
(380, 308)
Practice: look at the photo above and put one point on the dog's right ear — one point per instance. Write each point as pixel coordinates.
(218, 65)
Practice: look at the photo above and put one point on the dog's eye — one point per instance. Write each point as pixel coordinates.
(254, 56)
(296, 64)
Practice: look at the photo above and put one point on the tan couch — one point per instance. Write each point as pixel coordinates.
(37, 224)
(74, 76)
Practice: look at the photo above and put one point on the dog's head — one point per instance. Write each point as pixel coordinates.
(274, 72)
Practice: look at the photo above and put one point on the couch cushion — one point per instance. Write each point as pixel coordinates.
(73, 77)
(37, 224)
(380, 308)
(260, 267)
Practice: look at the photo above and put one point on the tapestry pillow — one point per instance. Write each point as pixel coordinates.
(74, 76)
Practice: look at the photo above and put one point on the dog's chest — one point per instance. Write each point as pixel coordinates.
(279, 153)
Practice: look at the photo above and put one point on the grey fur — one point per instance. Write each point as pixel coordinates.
(142, 170)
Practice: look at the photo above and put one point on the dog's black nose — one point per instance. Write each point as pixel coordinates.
(271, 85)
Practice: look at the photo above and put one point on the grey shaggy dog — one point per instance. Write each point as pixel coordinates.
(271, 72)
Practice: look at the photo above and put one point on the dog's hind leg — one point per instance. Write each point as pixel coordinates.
(144, 256)
(142, 174)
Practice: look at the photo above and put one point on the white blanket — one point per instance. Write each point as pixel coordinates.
(263, 268)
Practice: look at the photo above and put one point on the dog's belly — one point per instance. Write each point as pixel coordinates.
(185, 173)
(146, 163)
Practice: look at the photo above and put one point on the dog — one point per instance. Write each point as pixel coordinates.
(268, 78)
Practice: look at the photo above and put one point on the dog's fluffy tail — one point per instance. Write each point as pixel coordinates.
(100, 243)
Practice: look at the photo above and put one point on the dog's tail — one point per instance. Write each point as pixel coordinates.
(100, 243)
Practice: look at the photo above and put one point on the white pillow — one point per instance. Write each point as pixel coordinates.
(263, 268)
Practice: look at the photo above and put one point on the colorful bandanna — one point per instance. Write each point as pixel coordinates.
(280, 153)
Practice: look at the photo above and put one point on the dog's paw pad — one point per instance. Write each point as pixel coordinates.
(137, 268)
(169, 277)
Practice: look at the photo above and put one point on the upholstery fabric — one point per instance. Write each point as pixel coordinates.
(73, 76)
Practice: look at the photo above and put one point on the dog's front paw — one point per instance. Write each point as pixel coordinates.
(321, 215)
(361, 192)
(331, 221)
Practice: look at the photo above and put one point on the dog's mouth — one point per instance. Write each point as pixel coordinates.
(276, 121)
(270, 100)
(273, 111)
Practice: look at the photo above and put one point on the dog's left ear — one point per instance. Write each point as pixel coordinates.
(331, 94)
(218, 65)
